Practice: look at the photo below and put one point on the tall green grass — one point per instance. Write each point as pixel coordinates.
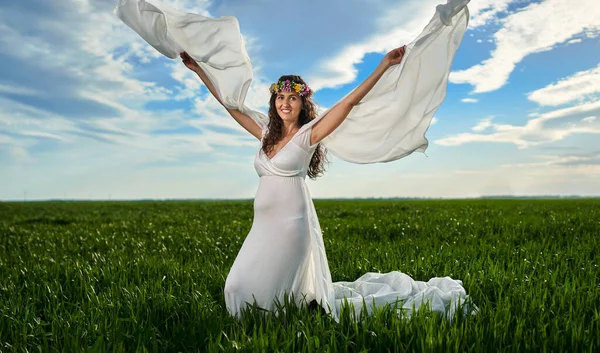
(149, 276)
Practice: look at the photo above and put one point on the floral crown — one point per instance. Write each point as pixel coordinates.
(291, 86)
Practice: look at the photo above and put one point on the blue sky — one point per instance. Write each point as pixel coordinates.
(90, 111)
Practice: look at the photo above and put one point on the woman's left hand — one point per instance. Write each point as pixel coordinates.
(394, 57)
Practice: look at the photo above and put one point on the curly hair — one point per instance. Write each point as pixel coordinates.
(275, 128)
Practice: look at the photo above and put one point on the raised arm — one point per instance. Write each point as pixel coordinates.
(340, 111)
(243, 119)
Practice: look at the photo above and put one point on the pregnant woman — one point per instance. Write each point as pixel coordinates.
(383, 119)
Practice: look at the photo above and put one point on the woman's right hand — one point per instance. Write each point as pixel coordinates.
(189, 62)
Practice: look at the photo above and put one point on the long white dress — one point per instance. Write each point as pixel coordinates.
(276, 257)
(284, 254)
(284, 251)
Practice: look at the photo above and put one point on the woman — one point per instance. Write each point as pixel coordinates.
(273, 261)
(283, 253)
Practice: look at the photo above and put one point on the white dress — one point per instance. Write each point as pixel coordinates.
(284, 251)
(276, 257)
(284, 254)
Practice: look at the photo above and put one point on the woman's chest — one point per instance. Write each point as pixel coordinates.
(290, 158)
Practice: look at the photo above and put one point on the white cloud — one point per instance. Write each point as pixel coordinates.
(483, 124)
(84, 54)
(341, 69)
(191, 82)
(538, 27)
(485, 11)
(434, 120)
(535, 132)
(33, 127)
(93, 59)
(589, 119)
(29, 123)
(15, 89)
(212, 114)
(469, 100)
(19, 153)
(44, 135)
(5, 139)
(401, 23)
(258, 94)
(560, 160)
(564, 112)
(578, 87)
(191, 6)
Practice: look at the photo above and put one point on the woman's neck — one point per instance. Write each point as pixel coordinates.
(290, 128)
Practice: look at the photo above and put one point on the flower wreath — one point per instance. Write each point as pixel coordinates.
(289, 86)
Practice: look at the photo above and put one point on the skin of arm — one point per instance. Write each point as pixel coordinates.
(243, 119)
(340, 111)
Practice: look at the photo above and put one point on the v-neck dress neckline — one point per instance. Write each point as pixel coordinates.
(282, 148)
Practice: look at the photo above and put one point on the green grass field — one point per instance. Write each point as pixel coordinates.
(149, 276)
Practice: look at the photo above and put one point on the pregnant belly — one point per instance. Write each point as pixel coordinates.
(280, 199)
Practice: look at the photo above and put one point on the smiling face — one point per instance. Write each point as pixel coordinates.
(288, 105)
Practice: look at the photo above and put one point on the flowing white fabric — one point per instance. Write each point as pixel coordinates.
(284, 251)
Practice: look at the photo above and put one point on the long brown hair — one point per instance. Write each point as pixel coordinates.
(275, 129)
